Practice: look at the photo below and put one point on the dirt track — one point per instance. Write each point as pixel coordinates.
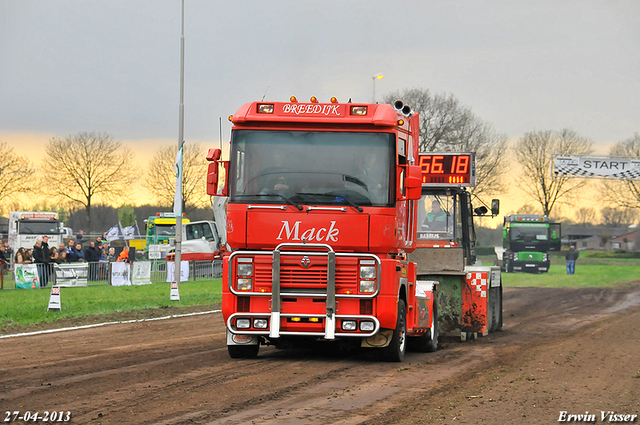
(561, 350)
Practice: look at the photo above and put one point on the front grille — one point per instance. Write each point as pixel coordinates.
(312, 279)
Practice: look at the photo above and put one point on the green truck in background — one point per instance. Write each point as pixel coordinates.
(526, 242)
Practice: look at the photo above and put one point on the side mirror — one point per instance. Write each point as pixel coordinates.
(495, 207)
(212, 173)
(413, 182)
(482, 210)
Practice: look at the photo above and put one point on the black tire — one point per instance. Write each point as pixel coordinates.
(428, 343)
(397, 348)
(243, 351)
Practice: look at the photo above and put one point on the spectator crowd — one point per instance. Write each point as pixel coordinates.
(79, 250)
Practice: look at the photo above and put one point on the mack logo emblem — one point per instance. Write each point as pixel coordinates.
(305, 261)
(292, 233)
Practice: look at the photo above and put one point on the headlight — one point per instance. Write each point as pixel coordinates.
(260, 323)
(244, 284)
(245, 269)
(348, 325)
(367, 286)
(243, 323)
(366, 326)
(367, 272)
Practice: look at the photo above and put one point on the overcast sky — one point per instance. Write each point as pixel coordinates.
(114, 66)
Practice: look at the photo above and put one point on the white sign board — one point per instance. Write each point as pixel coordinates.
(141, 273)
(71, 274)
(184, 271)
(120, 274)
(622, 168)
(154, 252)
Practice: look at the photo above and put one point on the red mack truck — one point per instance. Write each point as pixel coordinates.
(322, 213)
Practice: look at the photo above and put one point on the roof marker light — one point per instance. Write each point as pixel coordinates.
(230, 118)
(314, 99)
(400, 122)
(265, 108)
(358, 110)
(293, 99)
(334, 100)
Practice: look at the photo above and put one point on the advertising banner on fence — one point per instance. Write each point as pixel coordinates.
(26, 276)
(184, 271)
(141, 273)
(72, 274)
(597, 166)
(120, 274)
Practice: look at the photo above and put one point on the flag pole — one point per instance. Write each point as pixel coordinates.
(177, 207)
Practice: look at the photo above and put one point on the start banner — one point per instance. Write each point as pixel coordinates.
(622, 168)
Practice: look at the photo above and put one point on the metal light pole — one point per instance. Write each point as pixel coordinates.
(177, 207)
(375, 77)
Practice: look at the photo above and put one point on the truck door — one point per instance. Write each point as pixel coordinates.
(555, 237)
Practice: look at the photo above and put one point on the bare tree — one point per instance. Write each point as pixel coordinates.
(528, 209)
(15, 174)
(618, 217)
(586, 216)
(88, 167)
(534, 151)
(447, 126)
(161, 176)
(623, 193)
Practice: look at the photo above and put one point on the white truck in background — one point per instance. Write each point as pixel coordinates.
(26, 226)
(205, 240)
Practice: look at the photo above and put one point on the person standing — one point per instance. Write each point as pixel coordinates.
(42, 257)
(92, 255)
(572, 256)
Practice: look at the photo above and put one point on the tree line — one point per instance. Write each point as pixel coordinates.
(92, 168)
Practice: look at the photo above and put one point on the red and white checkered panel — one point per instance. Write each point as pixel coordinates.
(478, 280)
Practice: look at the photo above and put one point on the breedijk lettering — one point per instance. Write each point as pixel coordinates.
(311, 109)
(292, 233)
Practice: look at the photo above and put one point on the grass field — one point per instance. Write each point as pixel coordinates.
(589, 272)
(26, 307)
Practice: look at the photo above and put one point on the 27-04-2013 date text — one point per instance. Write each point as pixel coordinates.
(46, 416)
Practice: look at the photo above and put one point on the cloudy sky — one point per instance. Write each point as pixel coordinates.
(114, 65)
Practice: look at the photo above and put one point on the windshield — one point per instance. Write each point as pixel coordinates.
(312, 167)
(166, 230)
(529, 233)
(39, 227)
(436, 216)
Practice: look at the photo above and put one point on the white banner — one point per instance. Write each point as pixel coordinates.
(71, 274)
(120, 274)
(141, 273)
(184, 271)
(26, 276)
(623, 168)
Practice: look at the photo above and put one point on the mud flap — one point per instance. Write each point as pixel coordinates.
(241, 339)
(379, 340)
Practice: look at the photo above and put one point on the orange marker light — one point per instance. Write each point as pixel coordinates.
(293, 99)
(314, 99)
(334, 100)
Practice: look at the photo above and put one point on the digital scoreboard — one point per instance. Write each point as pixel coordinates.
(448, 169)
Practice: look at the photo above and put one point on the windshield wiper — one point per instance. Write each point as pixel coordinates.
(287, 200)
(337, 199)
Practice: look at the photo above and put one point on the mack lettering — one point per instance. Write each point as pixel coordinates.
(292, 233)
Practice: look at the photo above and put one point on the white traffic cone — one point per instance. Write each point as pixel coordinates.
(54, 299)
(175, 295)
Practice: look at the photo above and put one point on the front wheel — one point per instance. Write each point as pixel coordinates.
(397, 348)
(243, 351)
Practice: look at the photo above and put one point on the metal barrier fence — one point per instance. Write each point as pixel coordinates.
(99, 273)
